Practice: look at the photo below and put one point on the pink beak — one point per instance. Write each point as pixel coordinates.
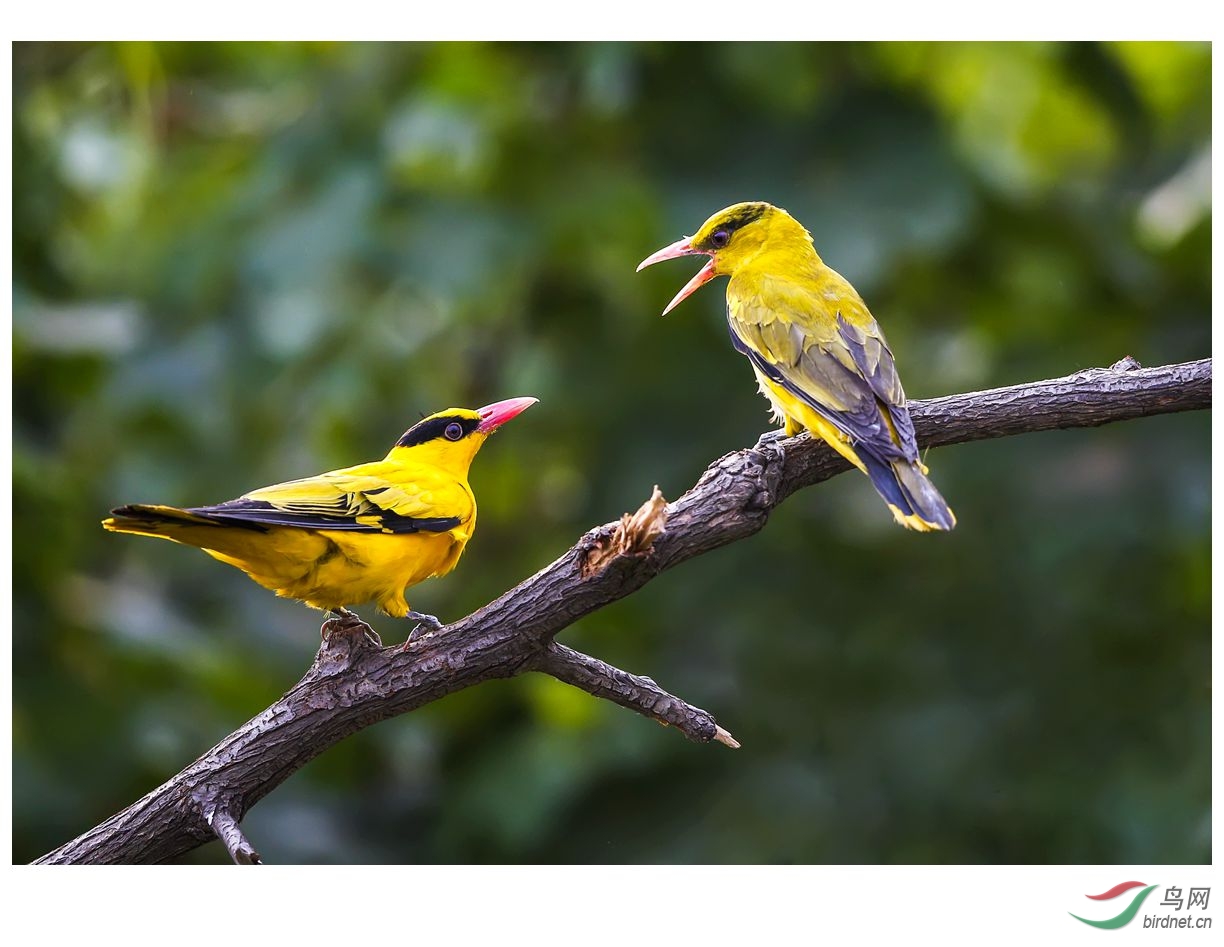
(678, 249)
(493, 416)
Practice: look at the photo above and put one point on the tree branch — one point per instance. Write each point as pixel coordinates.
(353, 683)
(601, 679)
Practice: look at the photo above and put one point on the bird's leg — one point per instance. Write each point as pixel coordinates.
(426, 624)
(347, 622)
(339, 619)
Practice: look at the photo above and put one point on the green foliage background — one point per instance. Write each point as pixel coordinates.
(241, 263)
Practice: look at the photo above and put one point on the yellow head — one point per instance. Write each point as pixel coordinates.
(451, 438)
(734, 237)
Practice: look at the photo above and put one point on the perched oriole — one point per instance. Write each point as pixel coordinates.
(360, 534)
(818, 354)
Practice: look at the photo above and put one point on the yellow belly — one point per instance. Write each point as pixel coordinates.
(330, 569)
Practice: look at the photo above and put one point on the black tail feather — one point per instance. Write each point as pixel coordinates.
(905, 487)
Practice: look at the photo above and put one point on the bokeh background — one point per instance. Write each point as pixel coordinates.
(242, 263)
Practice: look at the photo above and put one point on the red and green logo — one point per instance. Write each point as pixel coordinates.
(1128, 913)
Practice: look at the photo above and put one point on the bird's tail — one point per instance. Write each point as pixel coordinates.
(167, 522)
(913, 499)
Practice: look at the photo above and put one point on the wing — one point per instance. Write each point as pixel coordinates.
(372, 498)
(823, 346)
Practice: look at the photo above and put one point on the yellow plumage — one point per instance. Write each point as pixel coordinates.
(817, 352)
(360, 534)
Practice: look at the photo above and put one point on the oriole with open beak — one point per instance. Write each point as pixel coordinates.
(818, 354)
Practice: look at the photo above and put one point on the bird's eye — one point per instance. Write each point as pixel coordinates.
(453, 431)
(720, 238)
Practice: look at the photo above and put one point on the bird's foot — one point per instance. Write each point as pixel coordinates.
(344, 622)
(426, 626)
(772, 437)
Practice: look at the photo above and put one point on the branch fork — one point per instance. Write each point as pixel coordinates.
(221, 819)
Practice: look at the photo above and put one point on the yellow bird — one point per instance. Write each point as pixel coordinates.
(818, 354)
(360, 534)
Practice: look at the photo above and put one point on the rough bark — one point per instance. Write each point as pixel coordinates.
(354, 682)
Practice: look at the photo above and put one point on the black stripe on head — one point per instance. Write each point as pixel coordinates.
(434, 428)
(744, 214)
(736, 217)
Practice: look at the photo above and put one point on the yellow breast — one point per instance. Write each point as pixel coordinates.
(332, 569)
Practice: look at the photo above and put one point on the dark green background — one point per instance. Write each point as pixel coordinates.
(237, 264)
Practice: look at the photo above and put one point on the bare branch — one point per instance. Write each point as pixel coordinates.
(354, 682)
(600, 679)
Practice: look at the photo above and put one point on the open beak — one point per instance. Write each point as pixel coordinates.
(678, 249)
(493, 416)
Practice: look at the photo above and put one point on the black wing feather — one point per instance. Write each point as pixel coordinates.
(875, 360)
(256, 514)
(864, 425)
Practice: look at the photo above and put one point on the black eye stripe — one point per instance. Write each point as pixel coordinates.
(433, 428)
(744, 216)
(728, 225)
